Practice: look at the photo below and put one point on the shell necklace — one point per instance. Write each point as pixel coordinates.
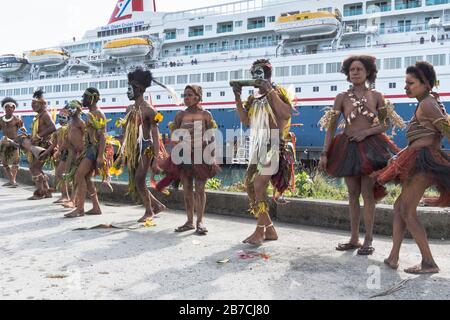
(359, 107)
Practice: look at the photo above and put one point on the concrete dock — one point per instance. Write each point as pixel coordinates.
(42, 257)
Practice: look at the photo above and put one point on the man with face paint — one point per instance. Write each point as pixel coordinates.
(268, 112)
(94, 159)
(75, 146)
(421, 165)
(42, 130)
(10, 124)
(195, 122)
(140, 148)
(60, 153)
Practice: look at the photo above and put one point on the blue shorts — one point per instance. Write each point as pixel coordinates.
(92, 152)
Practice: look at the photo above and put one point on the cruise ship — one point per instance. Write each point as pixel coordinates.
(306, 41)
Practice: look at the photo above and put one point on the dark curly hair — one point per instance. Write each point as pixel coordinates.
(8, 100)
(141, 76)
(426, 69)
(369, 63)
(38, 94)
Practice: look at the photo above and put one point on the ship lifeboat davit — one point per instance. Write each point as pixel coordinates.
(307, 24)
(10, 64)
(48, 57)
(129, 47)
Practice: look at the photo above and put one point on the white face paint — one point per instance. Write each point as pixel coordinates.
(63, 119)
(71, 109)
(130, 92)
(258, 73)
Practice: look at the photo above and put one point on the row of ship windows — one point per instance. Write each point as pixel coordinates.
(222, 27)
(119, 31)
(194, 31)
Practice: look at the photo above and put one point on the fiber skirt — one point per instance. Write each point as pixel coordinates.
(173, 172)
(432, 162)
(352, 159)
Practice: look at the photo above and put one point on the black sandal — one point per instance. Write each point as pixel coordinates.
(348, 246)
(366, 251)
(184, 228)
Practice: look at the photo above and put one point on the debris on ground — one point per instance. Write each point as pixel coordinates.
(246, 255)
(392, 289)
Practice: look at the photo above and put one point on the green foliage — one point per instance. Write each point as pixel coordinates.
(316, 187)
(237, 187)
(213, 184)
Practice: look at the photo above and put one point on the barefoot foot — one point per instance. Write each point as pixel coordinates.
(257, 238)
(159, 209)
(145, 218)
(391, 263)
(94, 212)
(61, 200)
(68, 204)
(75, 214)
(423, 268)
(271, 233)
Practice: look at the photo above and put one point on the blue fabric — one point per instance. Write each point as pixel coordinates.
(91, 153)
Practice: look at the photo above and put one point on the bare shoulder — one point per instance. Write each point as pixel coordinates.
(180, 115)
(150, 108)
(99, 113)
(80, 124)
(341, 96)
(339, 100)
(46, 117)
(377, 94)
(430, 108)
(207, 114)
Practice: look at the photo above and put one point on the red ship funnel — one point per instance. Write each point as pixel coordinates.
(124, 9)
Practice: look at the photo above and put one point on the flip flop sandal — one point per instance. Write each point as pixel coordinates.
(347, 246)
(366, 251)
(202, 231)
(184, 228)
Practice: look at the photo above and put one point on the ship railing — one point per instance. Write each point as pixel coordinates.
(355, 28)
(446, 19)
(262, 44)
(296, 52)
(225, 9)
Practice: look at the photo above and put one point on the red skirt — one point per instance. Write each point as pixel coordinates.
(354, 159)
(430, 161)
(172, 172)
(285, 177)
